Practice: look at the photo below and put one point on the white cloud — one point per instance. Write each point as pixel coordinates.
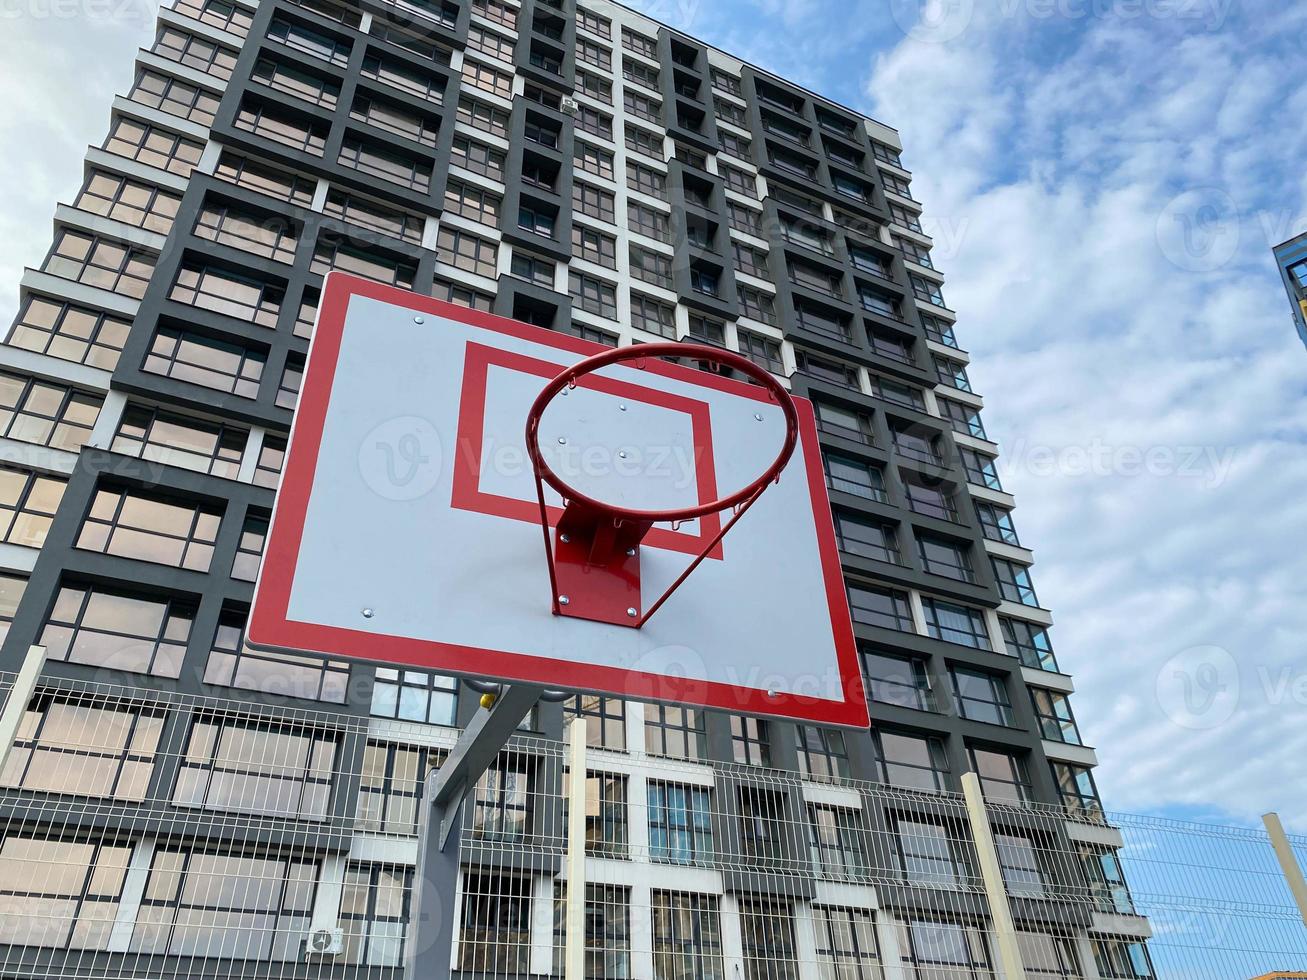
(1058, 145)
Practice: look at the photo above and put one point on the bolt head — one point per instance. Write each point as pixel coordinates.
(368, 613)
(418, 319)
(632, 612)
(621, 408)
(630, 552)
(564, 538)
(622, 454)
(758, 416)
(562, 441)
(563, 600)
(771, 692)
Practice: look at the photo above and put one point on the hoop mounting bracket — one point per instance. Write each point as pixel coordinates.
(594, 552)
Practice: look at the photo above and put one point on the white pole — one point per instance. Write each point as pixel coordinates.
(1005, 933)
(1288, 862)
(574, 948)
(20, 695)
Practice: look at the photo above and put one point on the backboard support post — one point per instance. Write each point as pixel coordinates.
(435, 883)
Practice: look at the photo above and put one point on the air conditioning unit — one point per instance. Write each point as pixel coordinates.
(570, 105)
(325, 942)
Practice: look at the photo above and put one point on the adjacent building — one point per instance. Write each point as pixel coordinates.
(180, 805)
(1291, 258)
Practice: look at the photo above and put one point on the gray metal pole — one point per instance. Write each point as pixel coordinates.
(433, 910)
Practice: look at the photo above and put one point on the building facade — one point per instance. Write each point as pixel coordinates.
(177, 804)
(1291, 259)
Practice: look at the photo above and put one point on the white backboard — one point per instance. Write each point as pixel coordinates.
(407, 527)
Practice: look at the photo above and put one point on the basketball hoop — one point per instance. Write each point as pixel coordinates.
(594, 552)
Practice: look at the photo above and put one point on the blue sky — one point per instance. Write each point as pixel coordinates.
(1104, 180)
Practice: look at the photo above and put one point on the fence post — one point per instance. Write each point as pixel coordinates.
(1288, 862)
(20, 695)
(1005, 933)
(574, 944)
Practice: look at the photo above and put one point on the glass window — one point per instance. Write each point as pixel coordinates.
(854, 476)
(594, 246)
(467, 252)
(687, 938)
(835, 839)
(69, 332)
(249, 549)
(500, 812)
(495, 930)
(934, 853)
(847, 947)
(767, 933)
(656, 317)
(982, 697)
(242, 297)
(11, 593)
(272, 456)
(1048, 955)
(941, 556)
(84, 748)
(132, 201)
(415, 695)
(607, 930)
(1018, 858)
(592, 294)
(374, 913)
(232, 663)
(292, 129)
(674, 732)
(225, 905)
(1029, 642)
(996, 523)
(28, 501)
(902, 681)
(118, 631)
(373, 216)
(1014, 582)
(822, 752)
(750, 741)
(953, 623)
(46, 414)
(153, 146)
(390, 786)
(763, 351)
(257, 767)
(68, 891)
(593, 159)
(680, 823)
(370, 263)
(1122, 959)
(472, 202)
(371, 158)
(481, 115)
(169, 532)
(1107, 882)
(912, 761)
(1056, 722)
(477, 157)
(94, 260)
(1075, 784)
(1003, 775)
(886, 608)
(943, 948)
(605, 812)
(212, 363)
(605, 720)
(594, 202)
(175, 440)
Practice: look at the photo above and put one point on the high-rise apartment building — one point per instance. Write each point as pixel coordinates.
(179, 805)
(1291, 259)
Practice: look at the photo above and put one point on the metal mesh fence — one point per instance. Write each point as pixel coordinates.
(152, 834)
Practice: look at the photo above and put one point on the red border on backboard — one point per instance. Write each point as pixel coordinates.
(271, 627)
(468, 494)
